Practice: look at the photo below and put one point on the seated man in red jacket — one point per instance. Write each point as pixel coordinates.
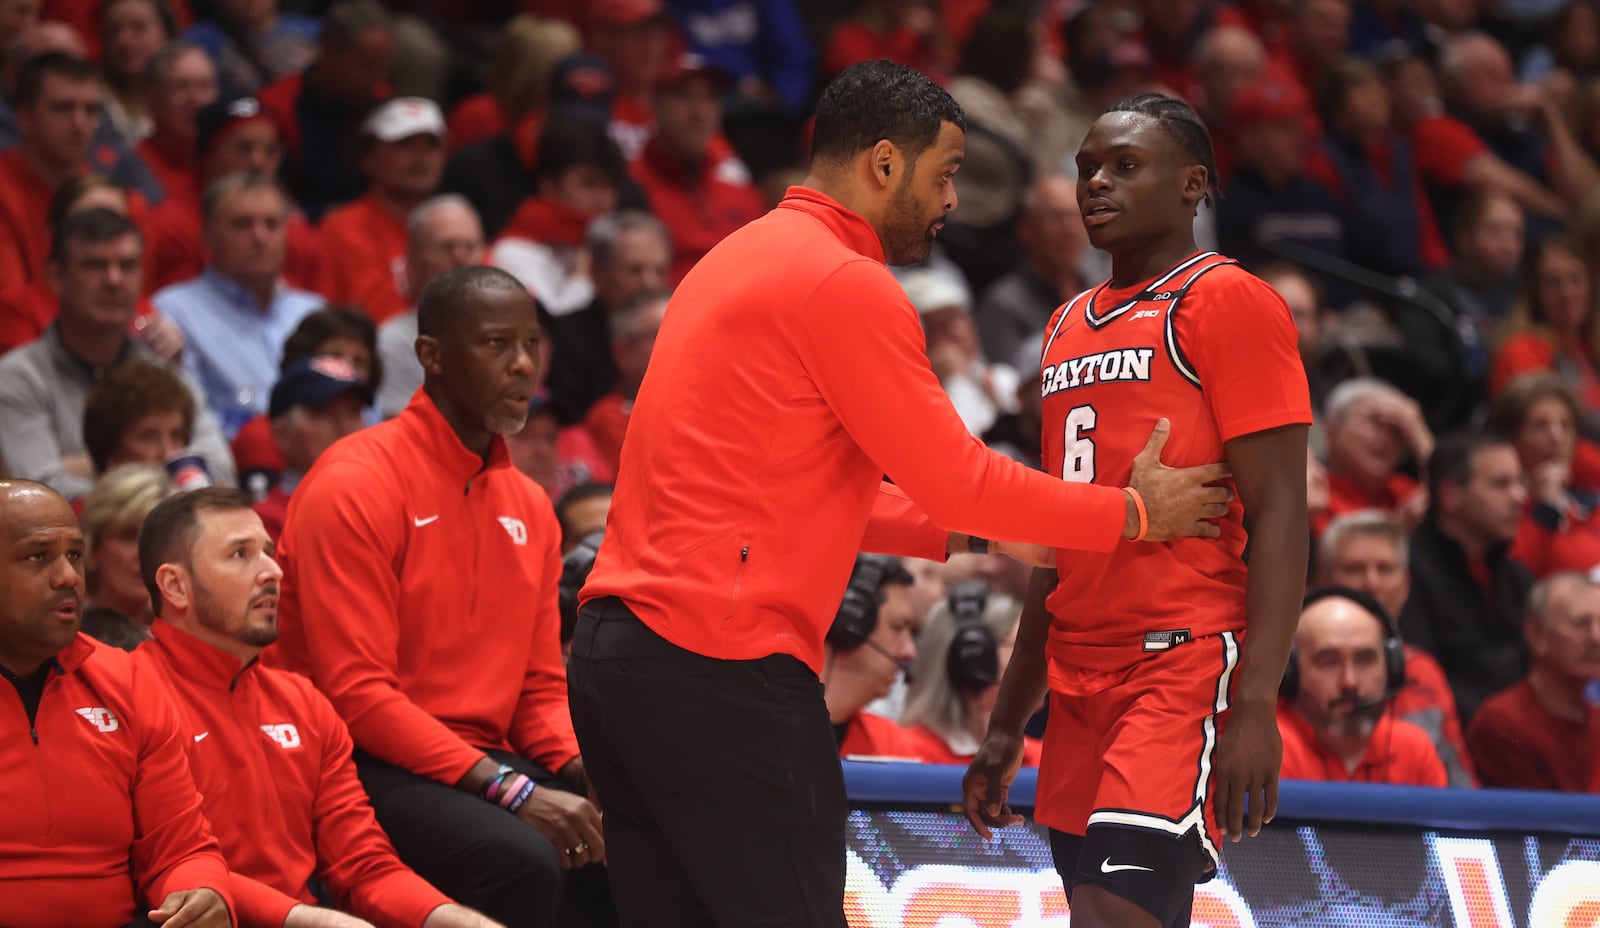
(270, 756)
(421, 574)
(102, 824)
(1542, 732)
(1336, 715)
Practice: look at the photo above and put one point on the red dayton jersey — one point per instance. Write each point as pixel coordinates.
(1211, 348)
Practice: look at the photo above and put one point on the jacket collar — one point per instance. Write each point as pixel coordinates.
(439, 443)
(855, 232)
(195, 661)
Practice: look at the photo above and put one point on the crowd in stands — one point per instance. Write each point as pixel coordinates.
(218, 219)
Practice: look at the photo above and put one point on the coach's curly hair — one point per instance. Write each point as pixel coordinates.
(876, 100)
(1180, 121)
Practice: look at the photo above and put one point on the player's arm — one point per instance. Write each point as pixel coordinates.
(1270, 470)
(988, 780)
(860, 343)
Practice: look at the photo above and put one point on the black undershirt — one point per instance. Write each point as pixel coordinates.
(30, 688)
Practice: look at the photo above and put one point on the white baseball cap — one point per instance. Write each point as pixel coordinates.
(403, 117)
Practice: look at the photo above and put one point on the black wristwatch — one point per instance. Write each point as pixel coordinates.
(976, 545)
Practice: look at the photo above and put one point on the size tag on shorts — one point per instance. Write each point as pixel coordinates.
(1167, 640)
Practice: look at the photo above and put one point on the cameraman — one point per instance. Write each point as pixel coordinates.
(870, 644)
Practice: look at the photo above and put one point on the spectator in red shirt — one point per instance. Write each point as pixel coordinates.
(1366, 550)
(633, 335)
(1554, 326)
(545, 245)
(557, 457)
(178, 83)
(115, 832)
(292, 811)
(871, 643)
(57, 102)
(1336, 716)
(318, 401)
(1370, 169)
(905, 31)
(1539, 415)
(403, 145)
(132, 31)
(961, 650)
(231, 137)
(636, 38)
(112, 514)
(324, 106)
(1372, 428)
(1541, 733)
(689, 189)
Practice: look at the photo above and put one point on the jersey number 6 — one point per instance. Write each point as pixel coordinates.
(1077, 452)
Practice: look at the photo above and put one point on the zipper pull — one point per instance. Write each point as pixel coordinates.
(744, 554)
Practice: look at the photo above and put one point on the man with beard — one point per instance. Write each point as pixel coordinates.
(1524, 736)
(269, 755)
(787, 378)
(1335, 715)
(102, 824)
(420, 594)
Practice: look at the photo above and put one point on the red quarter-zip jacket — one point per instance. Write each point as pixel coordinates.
(272, 761)
(102, 821)
(788, 377)
(420, 594)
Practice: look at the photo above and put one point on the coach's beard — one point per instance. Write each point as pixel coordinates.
(502, 424)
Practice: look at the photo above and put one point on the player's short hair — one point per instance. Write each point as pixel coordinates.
(1511, 407)
(447, 297)
(1183, 125)
(1352, 391)
(168, 533)
(1363, 523)
(877, 100)
(129, 392)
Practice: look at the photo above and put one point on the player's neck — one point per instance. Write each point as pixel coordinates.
(1153, 260)
(1560, 695)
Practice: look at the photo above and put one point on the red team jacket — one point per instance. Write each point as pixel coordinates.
(272, 761)
(1211, 348)
(102, 821)
(419, 592)
(788, 378)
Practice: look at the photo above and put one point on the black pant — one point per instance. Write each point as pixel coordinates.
(480, 855)
(724, 799)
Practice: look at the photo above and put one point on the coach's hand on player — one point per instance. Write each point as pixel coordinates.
(571, 822)
(987, 783)
(1178, 501)
(1249, 755)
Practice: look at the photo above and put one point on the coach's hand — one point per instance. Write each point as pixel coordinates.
(1178, 501)
(192, 908)
(1249, 755)
(987, 783)
(572, 823)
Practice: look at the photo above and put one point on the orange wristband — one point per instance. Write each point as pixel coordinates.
(1138, 507)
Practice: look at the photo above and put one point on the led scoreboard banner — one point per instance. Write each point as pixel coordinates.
(1337, 855)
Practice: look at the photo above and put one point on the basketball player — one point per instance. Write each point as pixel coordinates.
(1162, 662)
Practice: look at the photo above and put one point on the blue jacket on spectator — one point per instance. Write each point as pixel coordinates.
(745, 38)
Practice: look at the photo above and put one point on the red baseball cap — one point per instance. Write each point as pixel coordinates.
(1275, 98)
(626, 13)
(689, 65)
